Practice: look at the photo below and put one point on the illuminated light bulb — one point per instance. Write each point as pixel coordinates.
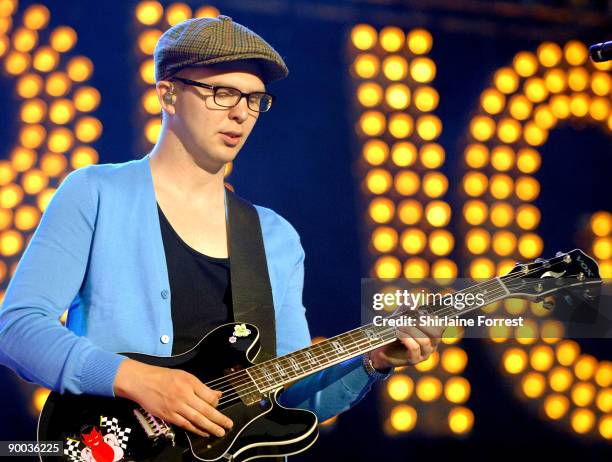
(7, 7)
(477, 240)
(520, 107)
(32, 136)
(150, 102)
(482, 128)
(567, 352)
(441, 242)
(86, 99)
(428, 388)
(583, 393)
(36, 17)
(601, 223)
(391, 38)
(556, 406)
(460, 420)
(504, 266)
(555, 80)
(26, 217)
(29, 85)
(481, 268)
(575, 53)
(579, 104)
(33, 111)
(395, 67)
(599, 109)
(502, 158)
(438, 213)
(428, 127)
(363, 36)
(560, 379)
(45, 59)
(432, 155)
(533, 385)
(504, 243)
(149, 12)
(528, 160)
(426, 99)
(582, 420)
(407, 182)
(387, 267)
(53, 164)
(444, 271)
(88, 129)
(397, 96)
(544, 118)
(378, 181)
(508, 130)
(16, 62)
(527, 188)
(475, 183)
(369, 94)
(147, 40)
(415, 269)
(435, 184)
(207, 12)
(11, 243)
(525, 64)
(366, 66)
(602, 248)
(419, 41)
(147, 71)
(506, 80)
(492, 101)
(384, 239)
(535, 90)
(502, 214)
(453, 360)
(541, 357)
(403, 418)
(422, 70)
(475, 212)
(457, 390)
(501, 186)
(63, 39)
(83, 156)
(514, 360)
(10, 196)
(403, 153)
(57, 84)
(560, 106)
(34, 181)
(61, 111)
(24, 39)
(601, 83)
(22, 159)
(605, 427)
(79, 68)
(534, 135)
(476, 155)
(400, 387)
(400, 125)
(178, 12)
(552, 331)
(60, 140)
(604, 400)
(549, 54)
(530, 245)
(413, 241)
(375, 152)
(429, 363)
(372, 123)
(578, 78)
(410, 211)
(44, 198)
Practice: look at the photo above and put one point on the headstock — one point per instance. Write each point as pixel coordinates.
(544, 277)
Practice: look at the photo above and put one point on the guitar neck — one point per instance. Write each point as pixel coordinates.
(275, 373)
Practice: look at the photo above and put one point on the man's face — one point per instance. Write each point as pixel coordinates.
(212, 134)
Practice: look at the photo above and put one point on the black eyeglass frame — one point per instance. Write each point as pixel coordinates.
(214, 88)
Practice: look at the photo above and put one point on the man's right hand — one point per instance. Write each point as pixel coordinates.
(173, 395)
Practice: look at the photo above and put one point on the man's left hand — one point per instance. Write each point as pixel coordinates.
(413, 345)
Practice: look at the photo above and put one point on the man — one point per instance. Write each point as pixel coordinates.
(115, 240)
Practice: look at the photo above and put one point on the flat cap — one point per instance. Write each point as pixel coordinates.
(204, 41)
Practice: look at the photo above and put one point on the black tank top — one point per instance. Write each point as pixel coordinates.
(200, 287)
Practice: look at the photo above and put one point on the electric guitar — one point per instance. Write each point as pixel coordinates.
(94, 428)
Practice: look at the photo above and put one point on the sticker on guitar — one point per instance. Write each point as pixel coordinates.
(106, 445)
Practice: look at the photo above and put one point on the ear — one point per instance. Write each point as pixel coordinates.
(166, 95)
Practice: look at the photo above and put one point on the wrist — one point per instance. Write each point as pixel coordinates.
(373, 371)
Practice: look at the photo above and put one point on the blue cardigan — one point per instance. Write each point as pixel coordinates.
(98, 252)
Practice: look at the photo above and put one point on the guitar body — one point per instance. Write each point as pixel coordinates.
(100, 429)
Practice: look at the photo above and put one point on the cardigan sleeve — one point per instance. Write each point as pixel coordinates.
(33, 342)
(333, 390)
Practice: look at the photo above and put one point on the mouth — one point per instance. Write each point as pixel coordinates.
(231, 138)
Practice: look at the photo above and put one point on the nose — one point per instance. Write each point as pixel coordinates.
(240, 111)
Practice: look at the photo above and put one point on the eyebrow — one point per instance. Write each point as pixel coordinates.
(222, 84)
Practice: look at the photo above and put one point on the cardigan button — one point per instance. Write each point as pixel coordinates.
(164, 294)
(165, 338)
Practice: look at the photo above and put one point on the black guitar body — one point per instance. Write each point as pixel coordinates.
(99, 429)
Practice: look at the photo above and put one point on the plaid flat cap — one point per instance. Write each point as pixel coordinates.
(203, 41)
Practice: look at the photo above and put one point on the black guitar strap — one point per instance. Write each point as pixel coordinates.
(250, 282)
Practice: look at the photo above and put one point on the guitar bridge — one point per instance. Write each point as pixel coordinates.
(154, 427)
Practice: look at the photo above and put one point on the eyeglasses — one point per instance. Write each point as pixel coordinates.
(229, 97)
